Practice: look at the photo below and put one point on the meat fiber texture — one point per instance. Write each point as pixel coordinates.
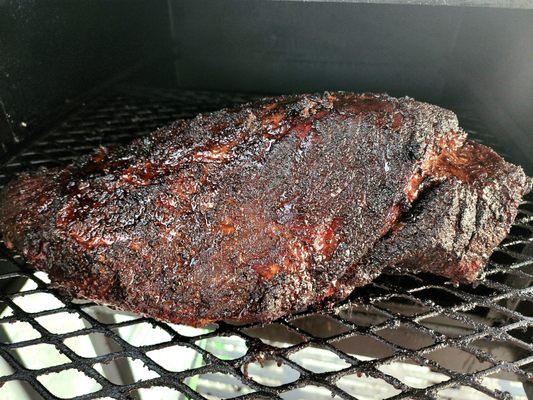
(252, 213)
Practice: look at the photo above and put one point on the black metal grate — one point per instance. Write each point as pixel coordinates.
(415, 336)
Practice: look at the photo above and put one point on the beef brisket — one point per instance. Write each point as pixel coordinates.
(256, 212)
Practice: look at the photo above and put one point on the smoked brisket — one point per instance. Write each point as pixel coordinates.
(259, 211)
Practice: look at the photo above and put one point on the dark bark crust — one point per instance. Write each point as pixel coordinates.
(256, 212)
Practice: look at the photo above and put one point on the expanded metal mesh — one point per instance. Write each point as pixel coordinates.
(410, 336)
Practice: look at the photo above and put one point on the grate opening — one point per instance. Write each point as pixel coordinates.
(366, 386)
(224, 347)
(156, 392)
(322, 326)
(275, 335)
(142, 334)
(79, 383)
(408, 337)
(39, 356)
(83, 345)
(412, 374)
(177, 358)
(19, 388)
(37, 302)
(457, 360)
(364, 346)
(218, 386)
(318, 360)
(271, 373)
(62, 322)
(309, 391)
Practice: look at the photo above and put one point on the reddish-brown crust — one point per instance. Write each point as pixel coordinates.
(253, 213)
(458, 221)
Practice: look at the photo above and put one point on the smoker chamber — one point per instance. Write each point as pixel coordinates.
(401, 337)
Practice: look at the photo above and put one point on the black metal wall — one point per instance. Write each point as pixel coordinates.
(52, 51)
(440, 54)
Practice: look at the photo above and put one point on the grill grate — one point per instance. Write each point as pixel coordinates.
(414, 336)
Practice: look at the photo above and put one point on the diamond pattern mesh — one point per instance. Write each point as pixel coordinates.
(414, 336)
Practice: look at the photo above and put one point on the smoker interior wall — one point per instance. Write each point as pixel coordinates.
(439, 54)
(494, 54)
(287, 46)
(54, 50)
(293, 46)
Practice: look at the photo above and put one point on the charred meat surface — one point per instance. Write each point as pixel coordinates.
(259, 211)
(455, 223)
